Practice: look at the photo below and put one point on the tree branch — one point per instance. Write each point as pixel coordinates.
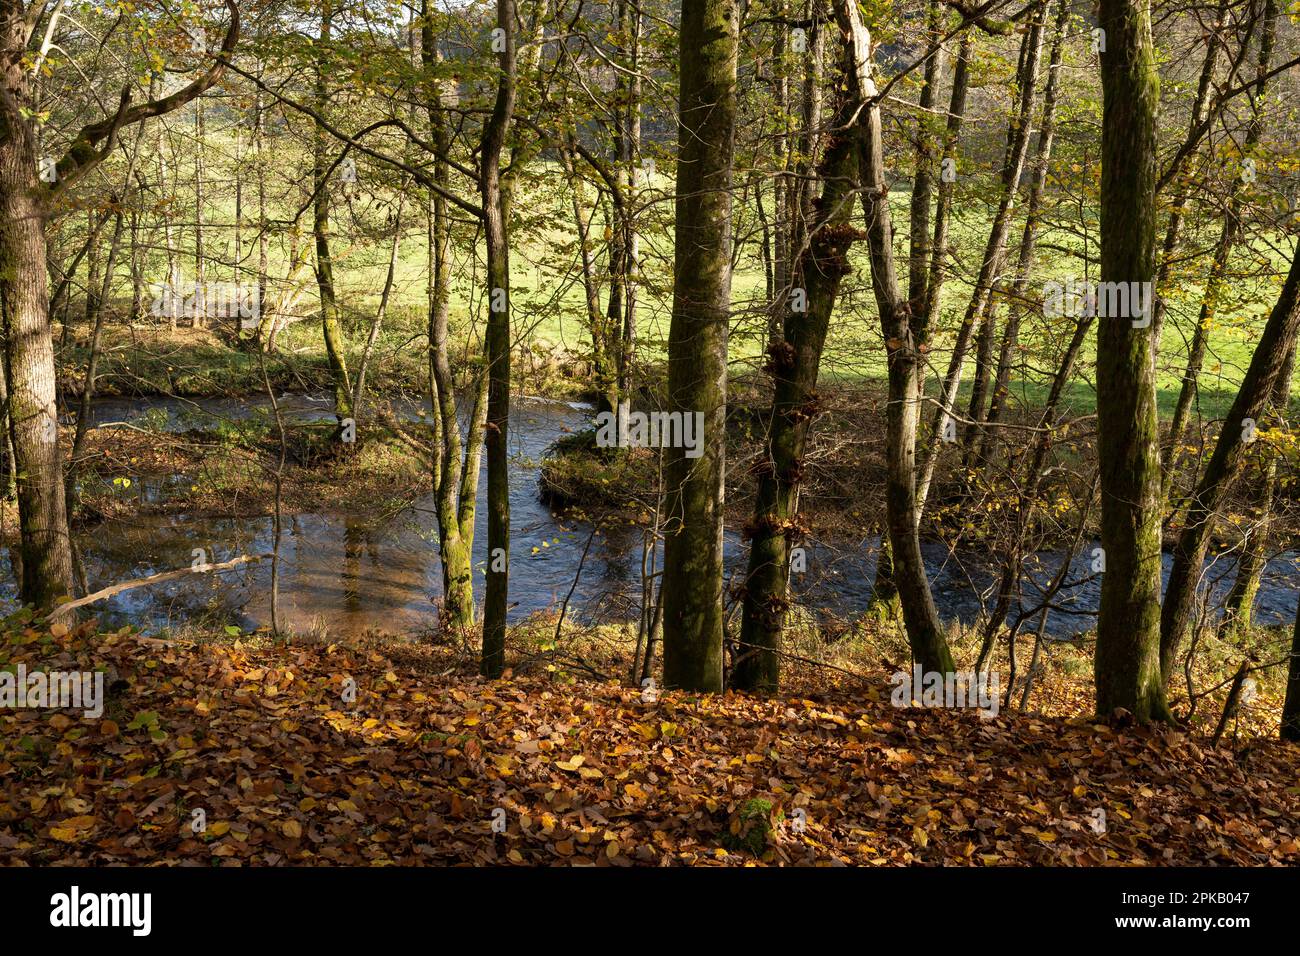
(83, 155)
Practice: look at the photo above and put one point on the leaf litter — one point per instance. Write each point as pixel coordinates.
(239, 754)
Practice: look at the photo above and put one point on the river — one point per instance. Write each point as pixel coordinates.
(343, 575)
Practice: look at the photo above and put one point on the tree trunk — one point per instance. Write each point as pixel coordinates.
(978, 311)
(137, 270)
(329, 311)
(8, 474)
(29, 346)
(1272, 354)
(604, 326)
(89, 306)
(1240, 604)
(776, 267)
(455, 534)
(947, 185)
(1229, 236)
(169, 233)
(1127, 663)
(394, 255)
(1177, 214)
(1029, 238)
(794, 363)
(92, 367)
(1291, 706)
(884, 591)
(806, 146)
(918, 263)
(101, 310)
(697, 345)
(200, 257)
(630, 233)
(495, 215)
(900, 329)
(1196, 349)
(263, 235)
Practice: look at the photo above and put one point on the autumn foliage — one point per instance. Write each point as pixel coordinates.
(410, 771)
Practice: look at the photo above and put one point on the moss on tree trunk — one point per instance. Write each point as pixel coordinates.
(1127, 663)
(697, 345)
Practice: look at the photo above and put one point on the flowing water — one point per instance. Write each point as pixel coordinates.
(344, 575)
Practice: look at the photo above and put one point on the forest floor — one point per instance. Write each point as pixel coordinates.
(252, 753)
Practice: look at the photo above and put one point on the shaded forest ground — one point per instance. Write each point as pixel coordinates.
(289, 768)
